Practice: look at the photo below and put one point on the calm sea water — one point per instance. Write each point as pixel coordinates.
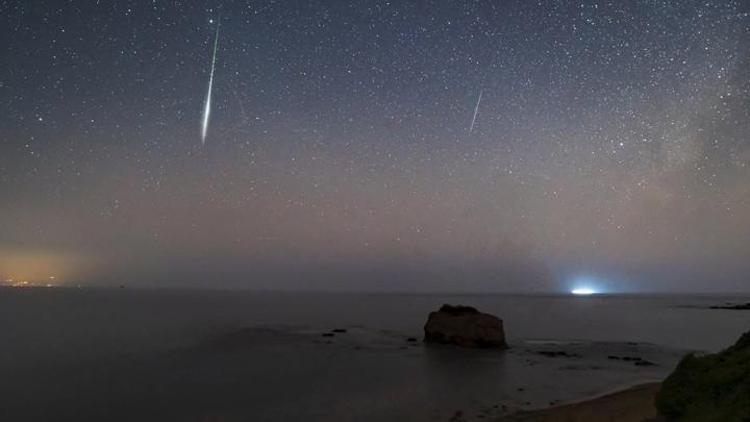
(88, 354)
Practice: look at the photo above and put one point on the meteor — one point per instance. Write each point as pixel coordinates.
(476, 110)
(207, 106)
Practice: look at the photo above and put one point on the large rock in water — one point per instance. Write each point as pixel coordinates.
(709, 388)
(464, 326)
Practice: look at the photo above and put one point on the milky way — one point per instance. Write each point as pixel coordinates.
(612, 143)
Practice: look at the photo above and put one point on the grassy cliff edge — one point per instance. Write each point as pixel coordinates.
(708, 388)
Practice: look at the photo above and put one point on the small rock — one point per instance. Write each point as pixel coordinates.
(558, 353)
(457, 417)
(612, 357)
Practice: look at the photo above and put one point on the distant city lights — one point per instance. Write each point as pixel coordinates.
(13, 282)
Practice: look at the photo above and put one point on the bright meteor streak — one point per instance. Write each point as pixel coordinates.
(476, 110)
(207, 107)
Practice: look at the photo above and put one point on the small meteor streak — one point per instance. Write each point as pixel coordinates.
(207, 107)
(476, 110)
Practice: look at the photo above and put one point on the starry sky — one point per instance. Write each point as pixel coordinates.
(611, 144)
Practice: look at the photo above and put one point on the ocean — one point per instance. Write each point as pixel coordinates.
(204, 355)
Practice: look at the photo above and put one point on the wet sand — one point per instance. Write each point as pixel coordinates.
(635, 404)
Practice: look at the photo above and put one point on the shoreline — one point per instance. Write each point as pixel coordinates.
(633, 404)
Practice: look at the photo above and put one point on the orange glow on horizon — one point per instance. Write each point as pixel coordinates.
(25, 269)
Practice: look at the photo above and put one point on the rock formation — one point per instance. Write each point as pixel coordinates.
(464, 326)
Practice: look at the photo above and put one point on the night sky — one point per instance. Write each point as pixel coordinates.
(611, 145)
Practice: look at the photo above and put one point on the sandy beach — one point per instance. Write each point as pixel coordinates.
(635, 404)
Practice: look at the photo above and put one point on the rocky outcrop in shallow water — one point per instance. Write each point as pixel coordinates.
(709, 388)
(733, 306)
(464, 326)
